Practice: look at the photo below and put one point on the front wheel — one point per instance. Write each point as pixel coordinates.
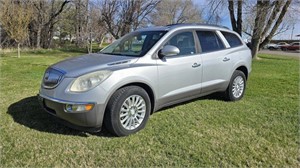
(127, 111)
(236, 87)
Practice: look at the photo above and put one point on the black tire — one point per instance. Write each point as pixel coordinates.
(112, 117)
(237, 86)
(284, 49)
(271, 48)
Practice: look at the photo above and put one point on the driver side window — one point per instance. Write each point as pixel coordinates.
(184, 42)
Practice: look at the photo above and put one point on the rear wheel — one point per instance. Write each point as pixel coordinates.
(236, 87)
(272, 48)
(127, 111)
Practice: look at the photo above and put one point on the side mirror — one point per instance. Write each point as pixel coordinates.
(168, 50)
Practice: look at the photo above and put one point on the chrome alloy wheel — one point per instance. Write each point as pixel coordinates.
(238, 87)
(133, 112)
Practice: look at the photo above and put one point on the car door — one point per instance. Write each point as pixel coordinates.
(179, 76)
(216, 62)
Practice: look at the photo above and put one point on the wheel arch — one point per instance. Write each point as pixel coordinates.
(244, 70)
(147, 88)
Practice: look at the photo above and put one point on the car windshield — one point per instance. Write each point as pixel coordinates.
(134, 44)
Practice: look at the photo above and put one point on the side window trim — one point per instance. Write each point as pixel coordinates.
(197, 43)
(223, 39)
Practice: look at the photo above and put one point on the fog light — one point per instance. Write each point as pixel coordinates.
(79, 107)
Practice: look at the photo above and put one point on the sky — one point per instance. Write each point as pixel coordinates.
(288, 35)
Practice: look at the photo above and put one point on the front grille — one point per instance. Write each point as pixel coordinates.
(52, 78)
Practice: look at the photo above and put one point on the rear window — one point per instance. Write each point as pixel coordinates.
(232, 39)
(209, 41)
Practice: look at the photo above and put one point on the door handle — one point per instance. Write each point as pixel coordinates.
(226, 59)
(195, 65)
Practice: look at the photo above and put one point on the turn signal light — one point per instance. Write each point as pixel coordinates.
(79, 107)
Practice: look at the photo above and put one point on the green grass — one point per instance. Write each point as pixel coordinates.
(260, 130)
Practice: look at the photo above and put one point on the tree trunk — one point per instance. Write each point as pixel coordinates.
(102, 40)
(259, 25)
(51, 34)
(232, 17)
(38, 36)
(236, 23)
(77, 23)
(19, 53)
(90, 47)
(0, 37)
(239, 17)
(255, 47)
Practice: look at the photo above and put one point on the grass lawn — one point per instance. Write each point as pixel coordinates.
(260, 130)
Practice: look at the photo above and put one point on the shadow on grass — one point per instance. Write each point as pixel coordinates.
(219, 96)
(29, 113)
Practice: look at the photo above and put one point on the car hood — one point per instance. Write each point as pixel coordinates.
(77, 66)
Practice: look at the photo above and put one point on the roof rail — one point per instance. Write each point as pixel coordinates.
(198, 24)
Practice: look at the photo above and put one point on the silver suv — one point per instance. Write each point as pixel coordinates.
(142, 72)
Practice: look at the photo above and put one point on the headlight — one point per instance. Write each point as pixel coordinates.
(89, 81)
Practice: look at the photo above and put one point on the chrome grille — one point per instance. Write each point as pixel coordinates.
(52, 78)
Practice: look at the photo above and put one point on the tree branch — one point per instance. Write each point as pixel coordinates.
(278, 22)
(231, 13)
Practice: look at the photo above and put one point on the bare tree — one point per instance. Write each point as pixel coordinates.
(236, 22)
(15, 17)
(176, 11)
(248, 18)
(123, 16)
(214, 11)
(85, 20)
(95, 29)
(5, 40)
(269, 16)
(67, 25)
(46, 16)
(249, 9)
(262, 28)
(97, 26)
(81, 21)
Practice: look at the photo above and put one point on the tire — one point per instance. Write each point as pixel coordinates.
(271, 48)
(127, 111)
(237, 86)
(284, 49)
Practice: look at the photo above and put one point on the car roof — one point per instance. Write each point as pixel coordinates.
(184, 26)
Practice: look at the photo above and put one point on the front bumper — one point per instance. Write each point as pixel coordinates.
(87, 121)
